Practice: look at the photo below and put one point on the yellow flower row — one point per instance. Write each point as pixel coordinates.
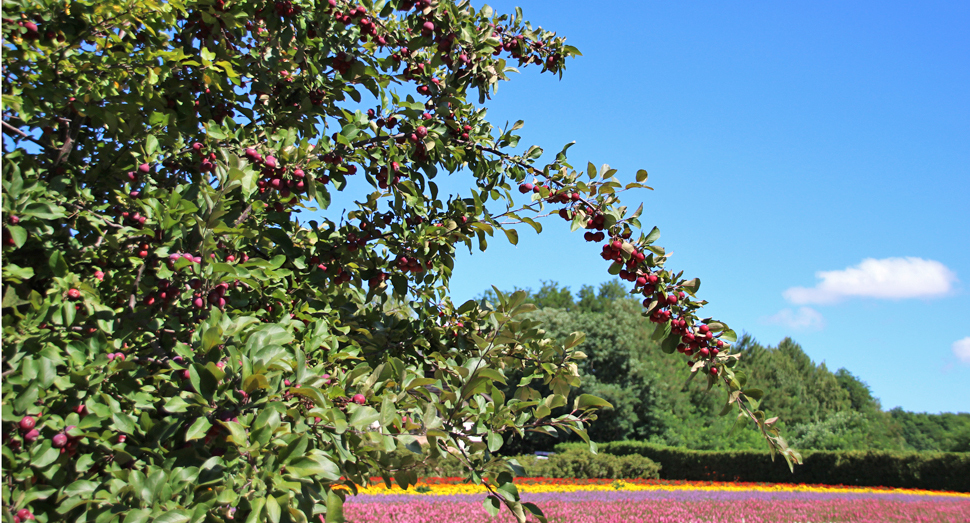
(532, 487)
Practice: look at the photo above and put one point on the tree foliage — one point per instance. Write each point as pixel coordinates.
(180, 345)
(819, 409)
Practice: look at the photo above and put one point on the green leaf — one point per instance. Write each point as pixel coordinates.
(512, 235)
(203, 381)
(641, 175)
(18, 235)
(388, 412)
(81, 488)
(257, 510)
(151, 144)
(669, 344)
(574, 339)
(652, 237)
(295, 448)
(43, 211)
(173, 516)
(273, 509)
(237, 432)
(175, 405)
(495, 441)
(363, 416)
(138, 515)
(661, 331)
(57, 264)
(20, 273)
(314, 466)
(493, 375)
(123, 423)
(586, 401)
(755, 394)
(211, 337)
(198, 429)
(255, 381)
(492, 505)
(542, 411)
(335, 508)
(692, 285)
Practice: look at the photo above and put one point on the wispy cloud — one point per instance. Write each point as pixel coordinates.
(804, 318)
(961, 349)
(888, 278)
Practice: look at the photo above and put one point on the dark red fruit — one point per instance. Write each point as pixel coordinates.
(59, 441)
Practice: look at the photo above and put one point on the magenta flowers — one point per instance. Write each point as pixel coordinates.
(571, 501)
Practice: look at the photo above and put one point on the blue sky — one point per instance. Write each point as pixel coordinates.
(788, 143)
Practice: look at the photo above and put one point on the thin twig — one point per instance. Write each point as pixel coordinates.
(13, 130)
(134, 289)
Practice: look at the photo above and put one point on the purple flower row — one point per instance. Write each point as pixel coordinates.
(655, 495)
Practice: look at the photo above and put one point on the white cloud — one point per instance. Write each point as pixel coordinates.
(889, 278)
(961, 349)
(805, 318)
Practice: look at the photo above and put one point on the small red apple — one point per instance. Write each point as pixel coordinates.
(27, 423)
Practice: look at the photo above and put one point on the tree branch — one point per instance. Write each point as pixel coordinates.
(11, 130)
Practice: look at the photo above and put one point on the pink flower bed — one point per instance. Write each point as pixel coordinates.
(873, 511)
(684, 505)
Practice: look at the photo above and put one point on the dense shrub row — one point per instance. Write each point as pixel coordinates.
(581, 463)
(576, 462)
(925, 470)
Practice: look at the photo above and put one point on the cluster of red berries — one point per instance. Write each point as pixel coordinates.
(207, 163)
(176, 256)
(699, 344)
(274, 178)
(342, 63)
(31, 31)
(215, 297)
(133, 219)
(66, 443)
(368, 28)
(393, 176)
(412, 264)
(614, 251)
(406, 5)
(375, 281)
(524, 51)
(164, 296)
(390, 122)
(286, 8)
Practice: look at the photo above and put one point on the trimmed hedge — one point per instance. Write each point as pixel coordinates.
(582, 464)
(572, 463)
(924, 470)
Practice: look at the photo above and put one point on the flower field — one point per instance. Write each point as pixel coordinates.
(606, 501)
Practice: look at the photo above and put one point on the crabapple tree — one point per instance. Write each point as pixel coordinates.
(182, 343)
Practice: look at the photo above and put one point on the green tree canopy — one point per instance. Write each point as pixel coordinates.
(181, 343)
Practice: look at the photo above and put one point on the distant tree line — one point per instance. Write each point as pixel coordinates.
(820, 410)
